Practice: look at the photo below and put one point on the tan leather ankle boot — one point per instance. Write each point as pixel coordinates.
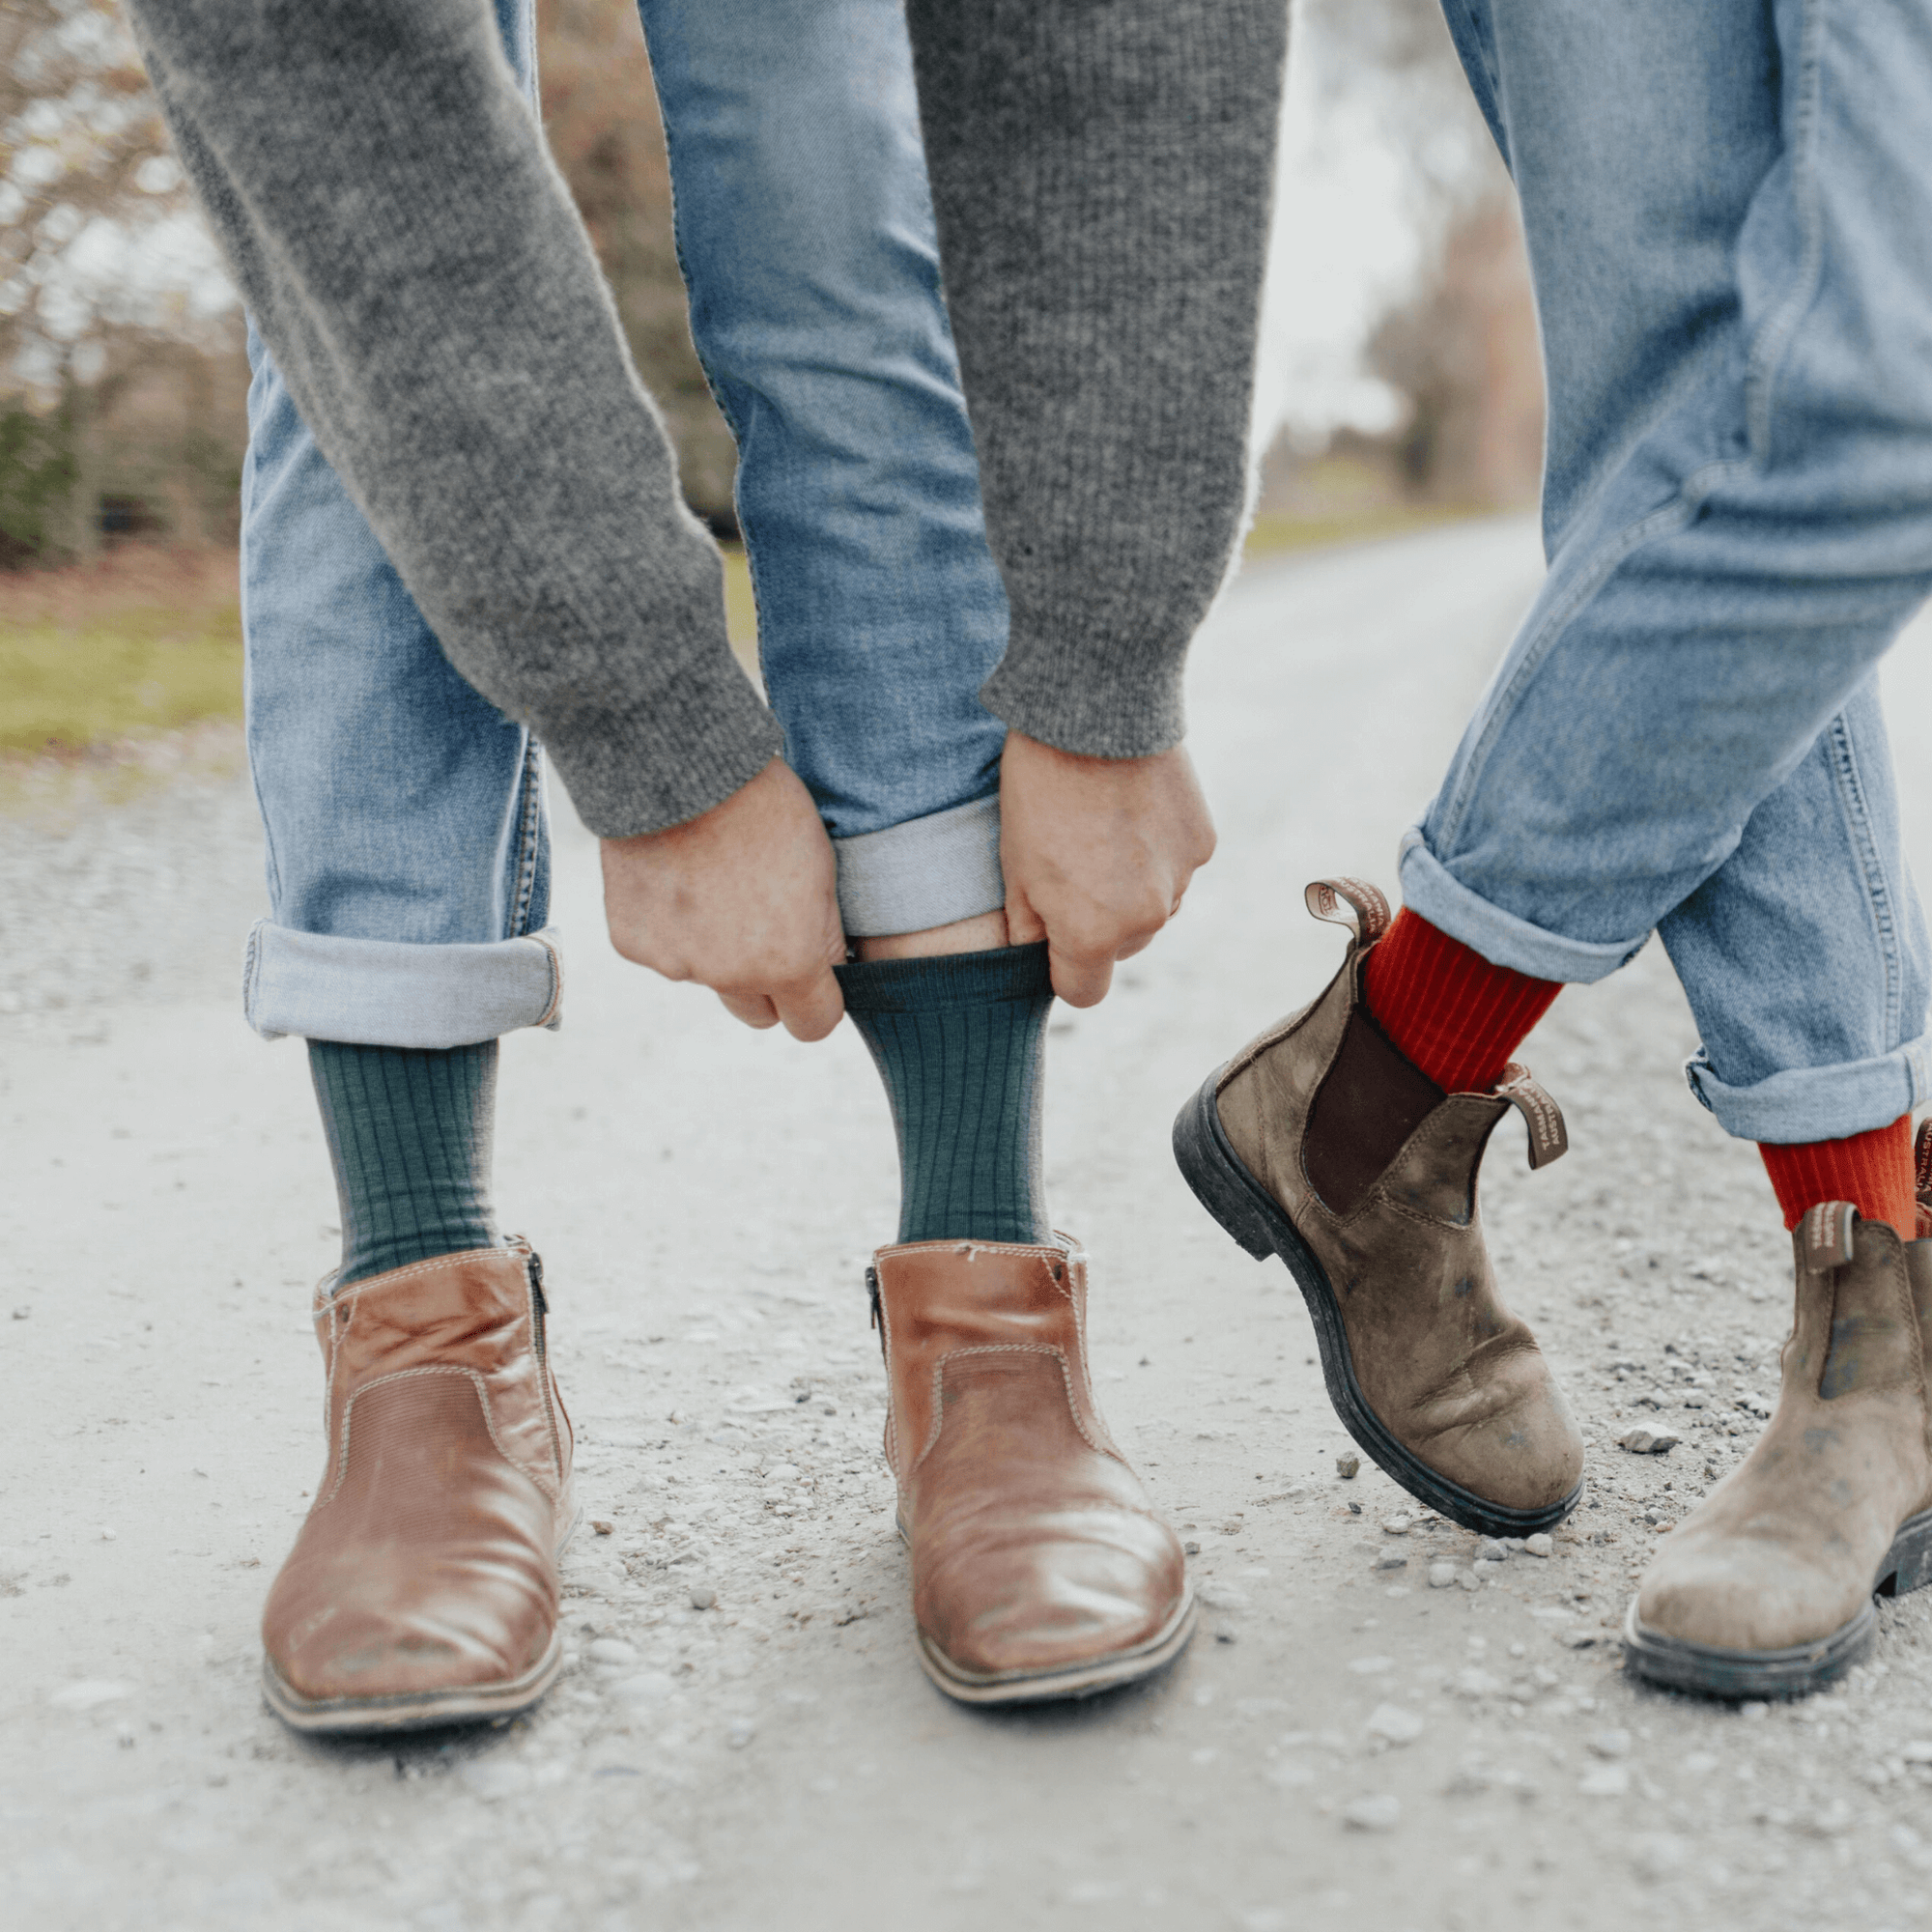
(1040, 1569)
(1765, 1590)
(422, 1589)
(1321, 1142)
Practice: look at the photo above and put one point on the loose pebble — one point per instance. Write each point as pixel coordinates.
(703, 1597)
(1539, 1545)
(1396, 1722)
(1391, 1559)
(1442, 1575)
(1348, 1467)
(1609, 1743)
(602, 1528)
(1649, 1441)
(1397, 1525)
(1490, 1550)
(1380, 1813)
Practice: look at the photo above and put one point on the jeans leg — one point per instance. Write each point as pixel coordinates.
(1720, 203)
(804, 230)
(408, 843)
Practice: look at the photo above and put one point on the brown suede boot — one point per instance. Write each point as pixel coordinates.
(1038, 1567)
(422, 1589)
(1321, 1142)
(1765, 1590)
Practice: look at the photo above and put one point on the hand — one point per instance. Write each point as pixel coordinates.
(1097, 853)
(744, 899)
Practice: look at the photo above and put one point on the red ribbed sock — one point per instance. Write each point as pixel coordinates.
(1872, 1170)
(1446, 1008)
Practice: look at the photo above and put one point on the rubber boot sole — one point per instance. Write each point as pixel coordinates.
(1677, 1665)
(417, 1710)
(1251, 1215)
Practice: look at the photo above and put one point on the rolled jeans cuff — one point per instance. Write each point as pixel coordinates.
(379, 993)
(928, 871)
(1818, 1103)
(1502, 939)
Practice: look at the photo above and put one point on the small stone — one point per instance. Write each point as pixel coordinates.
(602, 1528)
(492, 1779)
(613, 1651)
(1442, 1575)
(1539, 1545)
(1391, 1559)
(1650, 1441)
(1398, 1525)
(21, 1314)
(1192, 1547)
(1754, 1709)
(1604, 1780)
(1660, 1854)
(782, 1472)
(107, 1536)
(1490, 1550)
(1469, 1579)
(1348, 1467)
(1381, 1813)
(1917, 1752)
(703, 1597)
(1609, 1743)
(85, 1693)
(1396, 1722)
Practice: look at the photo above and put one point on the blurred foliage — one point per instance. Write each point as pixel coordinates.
(601, 115)
(36, 479)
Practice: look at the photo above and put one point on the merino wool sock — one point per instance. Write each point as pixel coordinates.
(958, 1044)
(410, 1132)
(1872, 1170)
(1447, 1008)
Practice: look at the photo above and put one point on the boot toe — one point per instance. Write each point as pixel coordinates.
(1742, 1597)
(1053, 1596)
(1522, 1452)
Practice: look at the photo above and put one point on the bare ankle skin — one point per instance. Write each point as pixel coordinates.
(984, 933)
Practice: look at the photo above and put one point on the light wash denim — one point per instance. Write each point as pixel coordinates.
(408, 846)
(1726, 204)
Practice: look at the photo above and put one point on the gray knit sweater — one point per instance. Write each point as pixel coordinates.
(1101, 171)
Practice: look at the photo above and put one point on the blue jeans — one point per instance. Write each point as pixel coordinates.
(1725, 203)
(407, 838)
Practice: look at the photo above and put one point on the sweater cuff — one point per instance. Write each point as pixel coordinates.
(643, 767)
(1092, 698)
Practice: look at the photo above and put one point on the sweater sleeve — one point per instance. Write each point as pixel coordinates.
(1102, 173)
(416, 267)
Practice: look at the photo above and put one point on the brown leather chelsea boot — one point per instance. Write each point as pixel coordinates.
(1040, 1569)
(1765, 1590)
(422, 1589)
(1321, 1142)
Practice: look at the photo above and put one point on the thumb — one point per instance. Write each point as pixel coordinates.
(1024, 926)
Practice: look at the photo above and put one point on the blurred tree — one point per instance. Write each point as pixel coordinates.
(601, 114)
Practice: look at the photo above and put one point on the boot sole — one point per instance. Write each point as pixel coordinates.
(1676, 1664)
(419, 1710)
(1067, 1682)
(1251, 1215)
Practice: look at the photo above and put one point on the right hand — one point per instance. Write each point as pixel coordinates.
(744, 899)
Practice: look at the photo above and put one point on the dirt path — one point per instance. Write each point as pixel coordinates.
(704, 1199)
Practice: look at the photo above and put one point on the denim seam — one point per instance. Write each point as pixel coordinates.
(1852, 804)
(1774, 338)
(530, 833)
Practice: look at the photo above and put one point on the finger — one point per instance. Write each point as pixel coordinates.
(753, 1008)
(1081, 980)
(1024, 926)
(811, 1010)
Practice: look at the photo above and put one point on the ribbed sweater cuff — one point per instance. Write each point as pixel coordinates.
(1091, 695)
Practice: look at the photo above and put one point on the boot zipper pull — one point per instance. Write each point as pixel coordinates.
(873, 1290)
(535, 1270)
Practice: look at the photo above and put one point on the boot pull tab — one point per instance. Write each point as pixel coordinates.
(1828, 1236)
(1549, 1138)
(1326, 898)
(1923, 1178)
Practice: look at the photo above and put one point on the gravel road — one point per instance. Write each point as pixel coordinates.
(1374, 1729)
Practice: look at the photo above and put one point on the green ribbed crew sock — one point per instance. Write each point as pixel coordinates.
(959, 1042)
(408, 1130)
